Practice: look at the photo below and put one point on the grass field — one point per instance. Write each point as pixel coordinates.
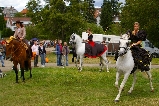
(68, 87)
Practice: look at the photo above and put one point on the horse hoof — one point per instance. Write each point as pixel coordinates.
(152, 90)
(116, 101)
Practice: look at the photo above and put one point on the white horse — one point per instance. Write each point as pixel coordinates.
(125, 65)
(76, 41)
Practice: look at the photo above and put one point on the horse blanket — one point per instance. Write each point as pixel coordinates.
(93, 50)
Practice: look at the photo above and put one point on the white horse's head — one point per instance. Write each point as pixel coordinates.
(72, 39)
(123, 45)
(126, 36)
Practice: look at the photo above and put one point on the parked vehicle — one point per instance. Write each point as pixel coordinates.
(112, 42)
(154, 51)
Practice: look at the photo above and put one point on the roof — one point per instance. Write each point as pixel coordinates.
(14, 19)
(24, 11)
(97, 12)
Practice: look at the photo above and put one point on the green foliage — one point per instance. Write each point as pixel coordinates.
(95, 29)
(90, 10)
(34, 8)
(106, 15)
(2, 21)
(7, 32)
(115, 29)
(56, 20)
(146, 13)
(32, 32)
(19, 14)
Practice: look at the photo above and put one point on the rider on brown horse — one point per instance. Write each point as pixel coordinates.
(20, 34)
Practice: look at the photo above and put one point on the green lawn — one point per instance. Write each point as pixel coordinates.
(68, 87)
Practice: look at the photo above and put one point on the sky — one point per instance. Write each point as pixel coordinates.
(19, 5)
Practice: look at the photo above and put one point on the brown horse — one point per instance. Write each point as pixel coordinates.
(17, 50)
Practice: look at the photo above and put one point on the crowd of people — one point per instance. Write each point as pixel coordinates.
(61, 50)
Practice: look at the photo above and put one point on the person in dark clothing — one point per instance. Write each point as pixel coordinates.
(59, 52)
(74, 54)
(142, 58)
(42, 53)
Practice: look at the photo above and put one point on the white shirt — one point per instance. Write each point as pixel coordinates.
(35, 49)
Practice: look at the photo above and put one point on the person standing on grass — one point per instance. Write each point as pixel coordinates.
(59, 52)
(42, 53)
(65, 52)
(35, 50)
(1, 56)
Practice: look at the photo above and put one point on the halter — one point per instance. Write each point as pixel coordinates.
(126, 49)
(72, 39)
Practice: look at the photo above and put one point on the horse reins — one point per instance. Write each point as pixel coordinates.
(12, 52)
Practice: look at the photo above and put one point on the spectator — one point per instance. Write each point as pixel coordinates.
(36, 51)
(42, 53)
(1, 56)
(4, 50)
(59, 52)
(65, 52)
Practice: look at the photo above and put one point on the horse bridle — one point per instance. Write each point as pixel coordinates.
(72, 39)
(126, 48)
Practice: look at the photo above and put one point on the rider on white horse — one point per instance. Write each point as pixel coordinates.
(142, 58)
(91, 46)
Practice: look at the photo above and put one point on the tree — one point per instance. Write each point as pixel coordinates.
(146, 13)
(19, 14)
(2, 21)
(34, 9)
(90, 11)
(7, 32)
(106, 15)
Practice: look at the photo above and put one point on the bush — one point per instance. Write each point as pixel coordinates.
(7, 32)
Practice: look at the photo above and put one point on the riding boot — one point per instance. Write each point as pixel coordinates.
(116, 55)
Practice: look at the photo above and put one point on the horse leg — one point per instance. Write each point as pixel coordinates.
(134, 81)
(16, 70)
(101, 64)
(126, 76)
(22, 71)
(150, 79)
(117, 79)
(81, 62)
(105, 61)
(76, 61)
(29, 65)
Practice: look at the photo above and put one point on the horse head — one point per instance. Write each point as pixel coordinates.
(72, 39)
(123, 45)
(126, 36)
(11, 46)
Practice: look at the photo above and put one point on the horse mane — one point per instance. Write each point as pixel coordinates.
(78, 37)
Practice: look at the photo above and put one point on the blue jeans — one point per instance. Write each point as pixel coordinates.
(42, 59)
(65, 60)
(59, 57)
(2, 61)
